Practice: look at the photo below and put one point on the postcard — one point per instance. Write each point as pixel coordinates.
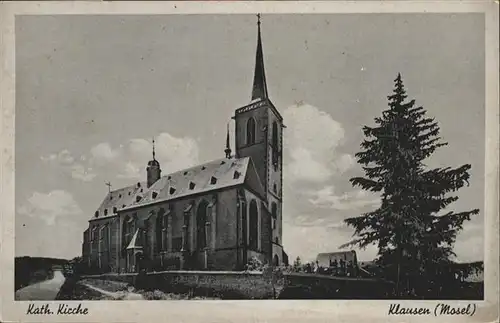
(249, 161)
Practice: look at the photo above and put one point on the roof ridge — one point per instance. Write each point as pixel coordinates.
(125, 187)
(202, 164)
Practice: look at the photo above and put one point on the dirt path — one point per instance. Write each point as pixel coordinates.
(120, 295)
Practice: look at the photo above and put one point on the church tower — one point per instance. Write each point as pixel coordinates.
(153, 170)
(259, 133)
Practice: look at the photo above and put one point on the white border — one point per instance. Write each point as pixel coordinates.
(243, 311)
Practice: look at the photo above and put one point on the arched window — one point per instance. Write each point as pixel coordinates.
(276, 260)
(126, 228)
(254, 225)
(274, 144)
(244, 221)
(274, 214)
(250, 131)
(145, 237)
(160, 231)
(201, 220)
(100, 246)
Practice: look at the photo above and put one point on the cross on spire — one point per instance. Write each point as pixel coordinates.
(259, 90)
(108, 184)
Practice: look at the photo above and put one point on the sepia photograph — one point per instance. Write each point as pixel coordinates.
(251, 156)
(160, 156)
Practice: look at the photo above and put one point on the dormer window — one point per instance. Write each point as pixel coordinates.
(129, 193)
(96, 214)
(154, 195)
(213, 180)
(191, 185)
(123, 206)
(119, 196)
(138, 198)
(203, 168)
(110, 197)
(171, 190)
(236, 174)
(115, 209)
(222, 162)
(138, 185)
(169, 177)
(185, 173)
(105, 211)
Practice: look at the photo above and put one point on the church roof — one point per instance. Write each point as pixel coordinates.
(210, 176)
(119, 199)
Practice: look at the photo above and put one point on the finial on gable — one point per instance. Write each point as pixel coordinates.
(228, 146)
(154, 154)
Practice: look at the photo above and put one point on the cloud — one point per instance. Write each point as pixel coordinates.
(312, 137)
(130, 171)
(51, 206)
(78, 171)
(173, 153)
(344, 162)
(65, 160)
(352, 200)
(103, 153)
(129, 160)
(313, 163)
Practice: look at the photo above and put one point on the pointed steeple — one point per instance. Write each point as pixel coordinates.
(228, 146)
(259, 90)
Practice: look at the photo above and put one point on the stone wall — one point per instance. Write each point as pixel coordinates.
(256, 285)
(220, 284)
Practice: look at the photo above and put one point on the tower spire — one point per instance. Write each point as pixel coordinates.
(154, 154)
(228, 146)
(153, 170)
(259, 90)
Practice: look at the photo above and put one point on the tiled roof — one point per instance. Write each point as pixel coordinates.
(119, 199)
(203, 178)
(210, 176)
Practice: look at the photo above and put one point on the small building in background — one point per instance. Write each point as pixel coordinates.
(328, 258)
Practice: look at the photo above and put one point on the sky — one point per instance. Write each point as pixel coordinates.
(92, 92)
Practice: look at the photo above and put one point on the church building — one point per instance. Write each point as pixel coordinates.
(214, 216)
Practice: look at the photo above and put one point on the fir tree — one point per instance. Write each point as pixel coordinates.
(414, 237)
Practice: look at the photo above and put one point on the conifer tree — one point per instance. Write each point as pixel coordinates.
(414, 235)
